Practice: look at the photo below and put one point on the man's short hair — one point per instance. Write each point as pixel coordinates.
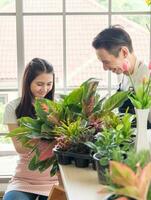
(112, 39)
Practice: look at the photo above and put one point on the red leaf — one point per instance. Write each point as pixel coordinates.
(45, 150)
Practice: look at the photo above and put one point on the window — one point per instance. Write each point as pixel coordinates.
(61, 31)
(3, 98)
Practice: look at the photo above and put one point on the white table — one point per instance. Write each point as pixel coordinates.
(80, 183)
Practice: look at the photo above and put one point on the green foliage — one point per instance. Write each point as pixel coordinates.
(35, 164)
(131, 179)
(114, 101)
(117, 131)
(141, 99)
(130, 176)
(71, 122)
(120, 125)
(133, 158)
(115, 140)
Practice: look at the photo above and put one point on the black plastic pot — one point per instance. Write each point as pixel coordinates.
(62, 157)
(114, 197)
(111, 197)
(66, 157)
(100, 169)
(81, 160)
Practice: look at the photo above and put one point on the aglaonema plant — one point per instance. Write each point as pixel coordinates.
(83, 102)
(128, 183)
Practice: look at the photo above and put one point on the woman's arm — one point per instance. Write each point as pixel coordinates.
(17, 144)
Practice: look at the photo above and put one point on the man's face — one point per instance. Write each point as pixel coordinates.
(110, 62)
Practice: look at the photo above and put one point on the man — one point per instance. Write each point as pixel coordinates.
(114, 49)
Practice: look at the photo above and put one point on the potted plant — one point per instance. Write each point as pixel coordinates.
(71, 144)
(112, 143)
(71, 120)
(130, 180)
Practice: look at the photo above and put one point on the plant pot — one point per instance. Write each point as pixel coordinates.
(62, 157)
(111, 197)
(81, 160)
(114, 197)
(100, 169)
(66, 157)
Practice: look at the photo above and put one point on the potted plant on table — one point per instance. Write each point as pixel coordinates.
(70, 122)
(130, 180)
(71, 144)
(112, 143)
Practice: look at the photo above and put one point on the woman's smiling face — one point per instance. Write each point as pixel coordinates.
(41, 85)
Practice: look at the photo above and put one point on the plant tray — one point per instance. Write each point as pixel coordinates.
(79, 159)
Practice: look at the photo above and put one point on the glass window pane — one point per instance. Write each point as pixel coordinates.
(138, 32)
(6, 144)
(86, 6)
(129, 5)
(43, 38)
(7, 5)
(8, 96)
(8, 55)
(42, 6)
(82, 62)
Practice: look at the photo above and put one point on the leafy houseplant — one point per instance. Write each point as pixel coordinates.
(68, 123)
(130, 180)
(70, 145)
(112, 143)
(140, 97)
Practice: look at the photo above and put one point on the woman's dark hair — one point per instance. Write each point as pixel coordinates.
(33, 69)
(112, 39)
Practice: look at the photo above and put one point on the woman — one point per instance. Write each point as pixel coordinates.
(38, 82)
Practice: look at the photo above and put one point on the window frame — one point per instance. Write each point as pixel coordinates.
(20, 39)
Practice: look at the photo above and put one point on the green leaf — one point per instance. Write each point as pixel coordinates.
(92, 146)
(115, 100)
(55, 168)
(30, 123)
(19, 131)
(33, 164)
(43, 165)
(40, 104)
(73, 98)
(139, 92)
(119, 127)
(89, 88)
(136, 103)
(104, 161)
(45, 129)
